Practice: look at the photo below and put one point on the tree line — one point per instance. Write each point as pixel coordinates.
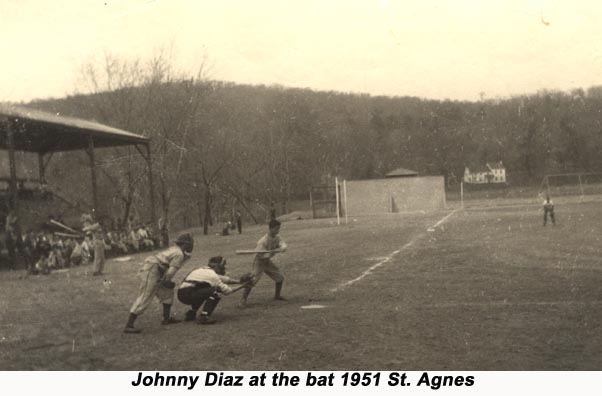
(217, 146)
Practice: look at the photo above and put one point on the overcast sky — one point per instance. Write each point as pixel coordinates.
(452, 49)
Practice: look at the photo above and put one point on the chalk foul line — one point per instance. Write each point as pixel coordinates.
(504, 303)
(388, 258)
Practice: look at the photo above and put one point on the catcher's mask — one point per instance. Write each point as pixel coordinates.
(218, 264)
(185, 242)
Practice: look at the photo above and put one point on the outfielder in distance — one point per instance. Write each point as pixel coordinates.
(273, 244)
(156, 277)
(548, 208)
(201, 287)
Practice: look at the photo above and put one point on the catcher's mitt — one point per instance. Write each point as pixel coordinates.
(168, 284)
(246, 278)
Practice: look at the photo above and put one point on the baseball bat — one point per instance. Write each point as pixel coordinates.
(243, 251)
(67, 235)
(63, 226)
(238, 288)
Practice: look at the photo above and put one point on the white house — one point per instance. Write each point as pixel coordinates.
(491, 173)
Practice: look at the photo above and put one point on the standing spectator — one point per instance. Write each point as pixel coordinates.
(239, 221)
(14, 240)
(29, 242)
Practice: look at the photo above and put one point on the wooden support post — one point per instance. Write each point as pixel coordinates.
(311, 203)
(345, 200)
(43, 165)
(336, 184)
(12, 187)
(151, 185)
(93, 170)
(41, 169)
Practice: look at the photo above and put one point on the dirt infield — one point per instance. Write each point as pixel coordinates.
(485, 289)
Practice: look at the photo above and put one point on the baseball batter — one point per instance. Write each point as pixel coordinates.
(156, 277)
(263, 263)
(202, 285)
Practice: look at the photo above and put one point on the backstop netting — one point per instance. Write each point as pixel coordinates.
(324, 201)
(571, 184)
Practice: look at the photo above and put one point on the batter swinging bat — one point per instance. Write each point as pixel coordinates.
(252, 251)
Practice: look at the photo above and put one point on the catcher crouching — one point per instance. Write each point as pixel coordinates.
(202, 286)
(156, 277)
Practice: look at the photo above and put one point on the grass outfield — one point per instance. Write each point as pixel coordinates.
(487, 289)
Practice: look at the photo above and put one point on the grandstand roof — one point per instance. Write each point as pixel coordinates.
(402, 172)
(42, 132)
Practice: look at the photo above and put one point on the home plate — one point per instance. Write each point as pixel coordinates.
(431, 230)
(122, 259)
(313, 306)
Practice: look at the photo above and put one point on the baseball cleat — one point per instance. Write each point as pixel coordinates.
(131, 330)
(170, 321)
(206, 320)
(190, 316)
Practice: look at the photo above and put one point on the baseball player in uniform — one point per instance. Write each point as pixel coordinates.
(97, 241)
(201, 287)
(548, 208)
(263, 263)
(156, 277)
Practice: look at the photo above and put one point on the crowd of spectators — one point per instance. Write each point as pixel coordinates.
(53, 247)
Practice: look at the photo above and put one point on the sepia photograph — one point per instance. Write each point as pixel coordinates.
(366, 185)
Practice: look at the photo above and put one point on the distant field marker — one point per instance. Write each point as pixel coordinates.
(388, 258)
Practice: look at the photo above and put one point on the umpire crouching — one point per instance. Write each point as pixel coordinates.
(202, 286)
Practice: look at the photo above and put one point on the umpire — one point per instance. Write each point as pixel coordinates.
(202, 286)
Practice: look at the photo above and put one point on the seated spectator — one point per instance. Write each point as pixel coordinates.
(118, 242)
(145, 242)
(87, 249)
(43, 249)
(69, 245)
(134, 241)
(226, 229)
(53, 260)
(153, 235)
(79, 254)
